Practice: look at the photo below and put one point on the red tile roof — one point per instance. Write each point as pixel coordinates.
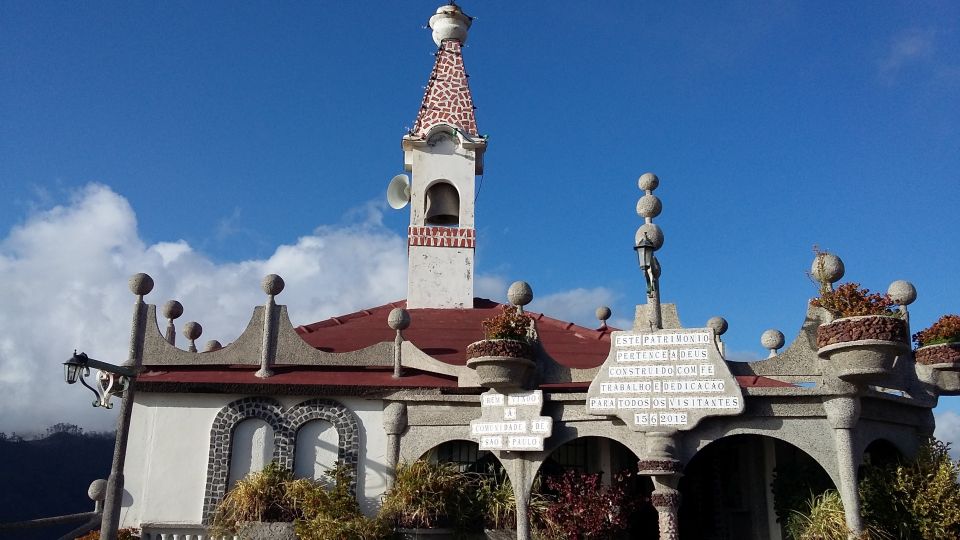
(441, 333)
(445, 333)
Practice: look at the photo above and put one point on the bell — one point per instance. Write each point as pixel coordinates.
(443, 205)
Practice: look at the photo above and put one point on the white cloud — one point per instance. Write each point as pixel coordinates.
(63, 276)
(576, 305)
(948, 430)
(906, 48)
(63, 281)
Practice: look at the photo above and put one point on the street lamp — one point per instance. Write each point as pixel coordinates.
(112, 380)
(645, 248)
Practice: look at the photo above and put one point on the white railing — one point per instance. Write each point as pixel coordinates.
(179, 532)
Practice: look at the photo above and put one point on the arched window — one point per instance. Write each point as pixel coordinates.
(317, 446)
(251, 448)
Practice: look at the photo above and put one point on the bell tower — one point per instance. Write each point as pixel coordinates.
(443, 154)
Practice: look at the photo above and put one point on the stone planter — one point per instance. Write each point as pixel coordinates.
(862, 348)
(942, 356)
(501, 363)
(261, 530)
(425, 534)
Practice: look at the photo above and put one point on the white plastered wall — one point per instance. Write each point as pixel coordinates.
(169, 445)
(441, 277)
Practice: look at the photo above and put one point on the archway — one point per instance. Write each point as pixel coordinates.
(882, 453)
(616, 466)
(743, 487)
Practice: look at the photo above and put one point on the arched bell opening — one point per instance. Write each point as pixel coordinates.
(442, 205)
(744, 487)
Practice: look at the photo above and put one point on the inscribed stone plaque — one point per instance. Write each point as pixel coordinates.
(511, 421)
(664, 380)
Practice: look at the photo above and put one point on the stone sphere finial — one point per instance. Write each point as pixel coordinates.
(772, 339)
(648, 181)
(649, 206)
(272, 284)
(826, 268)
(192, 330)
(172, 309)
(450, 23)
(399, 319)
(520, 293)
(212, 345)
(653, 233)
(902, 292)
(97, 490)
(141, 284)
(603, 314)
(719, 325)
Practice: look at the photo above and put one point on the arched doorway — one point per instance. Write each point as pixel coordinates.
(743, 487)
(616, 467)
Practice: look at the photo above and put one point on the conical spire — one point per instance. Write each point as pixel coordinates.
(447, 99)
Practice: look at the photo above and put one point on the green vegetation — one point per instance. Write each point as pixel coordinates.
(917, 500)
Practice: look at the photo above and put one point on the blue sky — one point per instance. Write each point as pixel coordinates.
(218, 141)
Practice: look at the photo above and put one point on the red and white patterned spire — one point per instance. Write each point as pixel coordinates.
(447, 99)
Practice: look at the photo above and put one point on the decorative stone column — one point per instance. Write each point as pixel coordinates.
(520, 468)
(394, 423)
(843, 412)
(662, 466)
(666, 499)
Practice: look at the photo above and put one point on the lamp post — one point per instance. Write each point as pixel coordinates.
(112, 380)
(649, 238)
(115, 380)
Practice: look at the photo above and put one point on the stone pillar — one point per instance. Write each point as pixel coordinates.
(843, 413)
(666, 499)
(394, 423)
(661, 464)
(520, 468)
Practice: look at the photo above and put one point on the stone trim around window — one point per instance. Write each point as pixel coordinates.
(286, 424)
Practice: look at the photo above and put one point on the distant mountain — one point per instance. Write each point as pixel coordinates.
(49, 477)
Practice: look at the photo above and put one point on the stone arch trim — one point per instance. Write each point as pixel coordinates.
(343, 420)
(221, 439)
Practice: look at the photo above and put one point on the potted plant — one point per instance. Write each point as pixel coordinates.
(272, 504)
(939, 345)
(505, 357)
(866, 333)
(258, 506)
(428, 501)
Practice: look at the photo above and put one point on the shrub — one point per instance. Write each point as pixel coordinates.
(333, 512)
(918, 500)
(260, 496)
(945, 330)
(508, 324)
(498, 505)
(849, 300)
(824, 519)
(427, 495)
(582, 508)
(318, 513)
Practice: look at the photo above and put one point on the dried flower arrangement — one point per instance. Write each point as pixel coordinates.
(849, 300)
(940, 343)
(508, 324)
